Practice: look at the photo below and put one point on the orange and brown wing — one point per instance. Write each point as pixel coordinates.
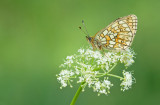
(119, 34)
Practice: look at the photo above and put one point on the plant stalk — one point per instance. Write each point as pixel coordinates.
(77, 94)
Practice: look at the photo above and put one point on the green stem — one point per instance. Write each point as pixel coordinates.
(108, 70)
(77, 94)
(112, 75)
(112, 68)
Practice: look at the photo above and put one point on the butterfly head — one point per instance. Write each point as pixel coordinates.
(89, 39)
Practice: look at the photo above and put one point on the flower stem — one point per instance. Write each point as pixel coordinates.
(77, 94)
(112, 75)
(112, 68)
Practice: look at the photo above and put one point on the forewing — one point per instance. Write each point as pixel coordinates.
(119, 34)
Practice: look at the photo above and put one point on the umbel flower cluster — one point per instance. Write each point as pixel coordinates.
(93, 69)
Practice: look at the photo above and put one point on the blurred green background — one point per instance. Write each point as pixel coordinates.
(36, 35)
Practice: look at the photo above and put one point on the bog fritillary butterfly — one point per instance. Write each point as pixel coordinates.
(118, 35)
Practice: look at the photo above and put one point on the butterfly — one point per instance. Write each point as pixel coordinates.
(118, 35)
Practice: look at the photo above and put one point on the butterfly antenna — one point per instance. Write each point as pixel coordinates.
(82, 30)
(85, 28)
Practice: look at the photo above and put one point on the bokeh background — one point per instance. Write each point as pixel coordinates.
(36, 36)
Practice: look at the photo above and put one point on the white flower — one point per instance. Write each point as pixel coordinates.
(103, 60)
(69, 57)
(64, 77)
(81, 79)
(127, 82)
(103, 87)
(102, 91)
(71, 73)
(93, 67)
(81, 51)
(68, 61)
(97, 86)
(64, 84)
(107, 67)
(89, 52)
(107, 83)
(59, 78)
(97, 54)
(76, 70)
(127, 57)
(108, 55)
